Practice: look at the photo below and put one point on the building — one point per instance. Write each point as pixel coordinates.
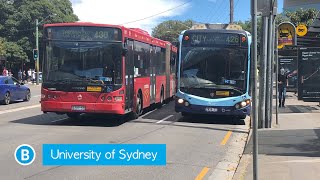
(291, 5)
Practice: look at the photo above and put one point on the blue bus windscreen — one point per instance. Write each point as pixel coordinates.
(215, 68)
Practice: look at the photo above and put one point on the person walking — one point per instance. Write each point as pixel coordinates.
(283, 83)
(20, 75)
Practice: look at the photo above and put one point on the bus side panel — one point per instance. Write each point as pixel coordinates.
(160, 81)
(143, 83)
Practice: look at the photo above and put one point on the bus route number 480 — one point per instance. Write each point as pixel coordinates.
(210, 109)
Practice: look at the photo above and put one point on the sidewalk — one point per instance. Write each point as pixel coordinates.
(289, 150)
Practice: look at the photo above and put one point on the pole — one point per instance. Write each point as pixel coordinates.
(231, 11)
(272, 68)
(263, 74)
(269, 84)
(37, 47)
(277, 74)
(254, 92)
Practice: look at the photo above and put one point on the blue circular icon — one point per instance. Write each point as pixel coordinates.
(24, 154)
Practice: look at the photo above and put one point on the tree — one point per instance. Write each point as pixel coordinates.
(2, 47)
(305, 16)
(17, 23)
(170, 30)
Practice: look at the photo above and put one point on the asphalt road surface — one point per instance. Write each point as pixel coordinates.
(194, 145)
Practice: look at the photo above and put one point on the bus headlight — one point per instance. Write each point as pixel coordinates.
(180, 101)
(242, 104)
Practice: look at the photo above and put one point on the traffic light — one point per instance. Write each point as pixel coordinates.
(35, 53)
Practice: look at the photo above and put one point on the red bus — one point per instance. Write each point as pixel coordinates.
(99, 68)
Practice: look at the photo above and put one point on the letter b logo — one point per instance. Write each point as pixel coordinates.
(24, 154)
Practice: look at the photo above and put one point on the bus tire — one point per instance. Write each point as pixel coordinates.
(74, 116)
(139, 104)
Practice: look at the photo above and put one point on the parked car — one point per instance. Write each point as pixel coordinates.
(11, 90)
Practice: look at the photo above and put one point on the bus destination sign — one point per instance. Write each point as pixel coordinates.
(213, 38)
(83, 33)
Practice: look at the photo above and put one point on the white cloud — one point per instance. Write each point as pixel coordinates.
(123, 11)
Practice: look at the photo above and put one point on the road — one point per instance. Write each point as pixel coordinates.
(194, 145)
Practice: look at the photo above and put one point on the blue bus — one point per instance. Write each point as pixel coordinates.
(214, 73)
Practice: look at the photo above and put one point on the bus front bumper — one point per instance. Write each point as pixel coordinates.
(67, 107)
(216, 110)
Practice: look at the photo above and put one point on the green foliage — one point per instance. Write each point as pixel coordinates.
(17, 23)
(2, 47)
(170, 30)
(305, 16)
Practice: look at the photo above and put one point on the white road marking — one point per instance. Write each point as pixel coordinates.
(147, 113)
(19, 109)
(164, 119)
(36, 96)
(59, 120)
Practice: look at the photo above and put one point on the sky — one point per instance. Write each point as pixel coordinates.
(146, 14)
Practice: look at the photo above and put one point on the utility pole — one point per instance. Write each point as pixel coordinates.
(231, 11)
(254, 10)
(37, 47)
(263, 74)
(269, 82)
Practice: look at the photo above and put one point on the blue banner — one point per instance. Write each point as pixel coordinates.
(104, 154)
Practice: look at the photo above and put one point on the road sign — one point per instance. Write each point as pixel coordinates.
(264, 7)
(301, 30)
(24, 154)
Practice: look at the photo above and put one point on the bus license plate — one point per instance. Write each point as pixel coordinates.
(210, 109)
(78, 108)
(222, 93)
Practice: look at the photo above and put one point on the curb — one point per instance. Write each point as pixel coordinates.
(227, 167)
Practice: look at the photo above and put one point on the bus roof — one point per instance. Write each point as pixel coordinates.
(215, 30)
(134, 33)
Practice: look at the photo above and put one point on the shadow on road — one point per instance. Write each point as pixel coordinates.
(212, 119)
(300, 142)
(98, 120)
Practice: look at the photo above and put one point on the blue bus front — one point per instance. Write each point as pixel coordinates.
(214, 72)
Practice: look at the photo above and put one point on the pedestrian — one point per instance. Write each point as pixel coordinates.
(20, 75)
(4, 72)
(29, 75)
(283, 83)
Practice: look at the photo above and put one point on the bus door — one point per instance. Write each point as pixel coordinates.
(129, 75)
(152, 75)
(167, 69)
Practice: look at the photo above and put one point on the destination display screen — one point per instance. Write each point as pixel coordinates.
(198, 39)
(83, 33)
